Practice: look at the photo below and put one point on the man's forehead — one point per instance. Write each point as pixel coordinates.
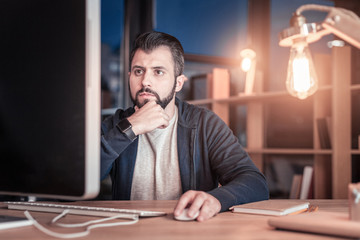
(160, 57)
(161, 53)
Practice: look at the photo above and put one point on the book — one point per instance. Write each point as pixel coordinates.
(307, 182)
(296, 186)
(274, 207)
(7, 222)
(323, 132)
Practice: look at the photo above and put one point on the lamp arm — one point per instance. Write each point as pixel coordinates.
(339, 21)
(315, 7)
(322, 8)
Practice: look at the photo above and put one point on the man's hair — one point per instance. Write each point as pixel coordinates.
(151, 40)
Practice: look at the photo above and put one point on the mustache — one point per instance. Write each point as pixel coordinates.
(148, 90)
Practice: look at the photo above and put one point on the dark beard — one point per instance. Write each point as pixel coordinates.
(162, 102)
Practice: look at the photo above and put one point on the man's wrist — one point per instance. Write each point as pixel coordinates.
(125, 127)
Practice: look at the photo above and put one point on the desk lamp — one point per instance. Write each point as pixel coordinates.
(301, 78)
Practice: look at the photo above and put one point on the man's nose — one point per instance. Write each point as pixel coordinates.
(146, 81)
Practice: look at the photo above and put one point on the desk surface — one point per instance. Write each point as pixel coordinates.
(225, 225)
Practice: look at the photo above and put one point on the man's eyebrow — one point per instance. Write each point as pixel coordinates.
(137, 66)
(154, 68)
(159, 67)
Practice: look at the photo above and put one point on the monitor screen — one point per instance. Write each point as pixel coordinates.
(50, 98)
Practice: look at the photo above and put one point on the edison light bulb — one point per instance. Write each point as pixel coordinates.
(248, 59)
(301, 78)
(246, 64)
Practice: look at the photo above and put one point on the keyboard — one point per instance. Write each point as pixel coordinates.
(80, 210)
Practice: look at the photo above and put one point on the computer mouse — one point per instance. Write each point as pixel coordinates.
(184, 216)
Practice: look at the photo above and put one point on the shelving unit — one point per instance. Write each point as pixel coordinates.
(332, 167)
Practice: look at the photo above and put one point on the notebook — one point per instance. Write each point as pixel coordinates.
(7, 222)
(328, 223)
(275, 207)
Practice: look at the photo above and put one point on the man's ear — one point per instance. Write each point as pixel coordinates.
(180, 80)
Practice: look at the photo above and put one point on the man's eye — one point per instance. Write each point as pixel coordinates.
(138, 72)
(159, 72)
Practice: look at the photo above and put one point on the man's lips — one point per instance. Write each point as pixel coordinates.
(146, 94)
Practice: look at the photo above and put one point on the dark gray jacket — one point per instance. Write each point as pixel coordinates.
(209, 155)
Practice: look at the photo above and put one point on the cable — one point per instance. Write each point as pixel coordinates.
(134, 219)
(73, 225)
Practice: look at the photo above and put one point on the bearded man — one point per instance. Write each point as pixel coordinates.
(165, 149)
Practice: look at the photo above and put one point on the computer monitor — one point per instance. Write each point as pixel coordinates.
(50, 98)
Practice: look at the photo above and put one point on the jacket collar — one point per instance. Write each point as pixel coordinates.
(188, 114)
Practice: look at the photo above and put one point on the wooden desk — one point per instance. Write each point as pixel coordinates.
(224, 226)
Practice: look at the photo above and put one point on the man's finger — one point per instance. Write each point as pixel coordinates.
(207, 211)
(197, 203)
(183, 202)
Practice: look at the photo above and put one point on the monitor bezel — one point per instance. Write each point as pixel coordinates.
(92, 112)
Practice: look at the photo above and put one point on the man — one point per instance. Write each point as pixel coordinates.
(164, 148)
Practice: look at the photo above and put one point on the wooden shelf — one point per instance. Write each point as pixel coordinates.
(246, 98)
(242, 98)
(355, 87)
(355, 151)
(290, 151)
(297, 151)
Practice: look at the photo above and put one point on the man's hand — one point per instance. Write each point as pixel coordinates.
(148, 118)
(208, 205)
